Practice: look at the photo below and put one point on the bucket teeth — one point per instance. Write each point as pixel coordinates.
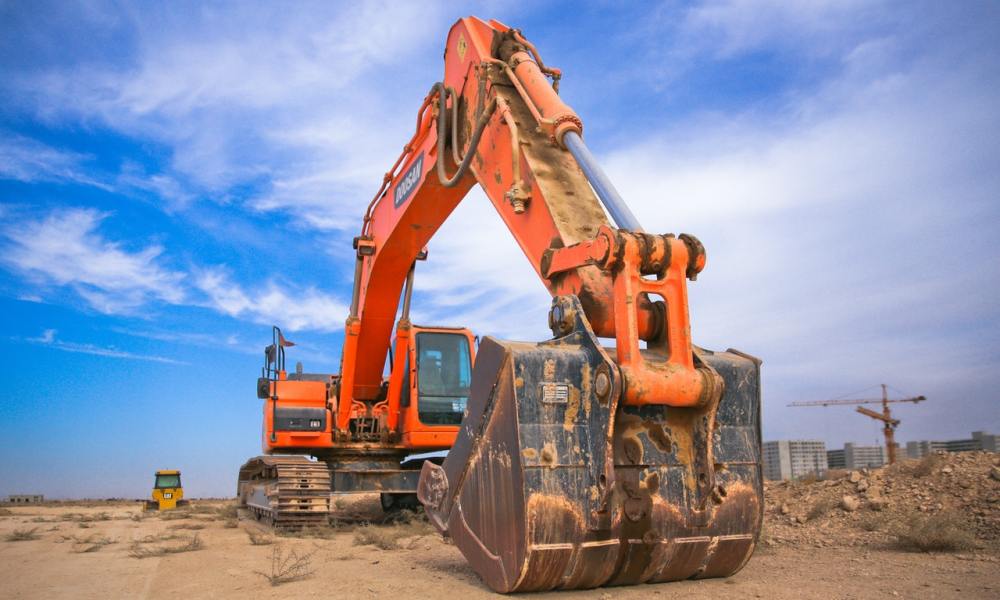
(551, 485)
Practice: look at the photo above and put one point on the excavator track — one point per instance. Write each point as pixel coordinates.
(286, 492)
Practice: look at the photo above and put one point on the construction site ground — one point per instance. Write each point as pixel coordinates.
(833, 538)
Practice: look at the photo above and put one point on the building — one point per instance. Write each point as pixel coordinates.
(987, 441)
(792, 459)
(25, 499)
(980, 440)
(854, 457)
(863, 457)
(923, 448)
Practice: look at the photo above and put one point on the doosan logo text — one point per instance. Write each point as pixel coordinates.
(409, 181)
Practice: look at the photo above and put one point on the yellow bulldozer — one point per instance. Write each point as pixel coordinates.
(167, 491)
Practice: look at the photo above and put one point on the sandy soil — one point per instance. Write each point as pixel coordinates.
(228, 566)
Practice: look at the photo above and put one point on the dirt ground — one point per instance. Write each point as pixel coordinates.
(89, 551)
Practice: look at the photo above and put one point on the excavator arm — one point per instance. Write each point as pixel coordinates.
(507, 129)
(576, 465)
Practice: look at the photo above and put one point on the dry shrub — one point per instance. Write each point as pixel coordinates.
(174, 515)
(191, 526)
(231, 524)
(926, 465)
(228, 511)
(385, 538)
(138, 550)
(808, 478)
(91, 543)
(320, 533)
(22, 535)
(944, 532)
(872, 522)
(408, 525)
(821, 508)
(288, 567)
(259, 538)
(202, 509)
(84, 518)
(6, 512)
(160, 537)
(84, 525)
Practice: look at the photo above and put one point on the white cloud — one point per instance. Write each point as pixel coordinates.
(27, 160)
(274, 304)
(65, 249)
(732, 27)
(48, 339)
(291, 103)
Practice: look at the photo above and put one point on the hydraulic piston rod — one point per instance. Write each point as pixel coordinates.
(602, 185)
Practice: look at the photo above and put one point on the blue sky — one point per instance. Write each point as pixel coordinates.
(175, 178)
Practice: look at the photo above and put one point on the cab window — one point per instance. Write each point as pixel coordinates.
(168, 481)
(444, 373)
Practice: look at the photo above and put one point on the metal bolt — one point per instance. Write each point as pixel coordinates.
(555, 318)
(602, 384)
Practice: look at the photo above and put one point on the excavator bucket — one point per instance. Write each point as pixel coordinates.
(552, 484)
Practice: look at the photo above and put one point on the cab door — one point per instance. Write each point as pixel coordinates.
(436, 386)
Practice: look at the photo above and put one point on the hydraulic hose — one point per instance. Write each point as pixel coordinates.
(442, 127)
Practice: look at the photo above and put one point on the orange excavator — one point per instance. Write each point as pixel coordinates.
(615, 453)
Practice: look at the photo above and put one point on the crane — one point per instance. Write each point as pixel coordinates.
(889, 423)
(570, 464)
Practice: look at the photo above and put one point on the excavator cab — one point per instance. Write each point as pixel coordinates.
(436, 382)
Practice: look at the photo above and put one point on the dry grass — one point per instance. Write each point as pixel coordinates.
(319, 533)
(139, 550)
(385, 538)
(174, 515)
(926, 465)
(202, 509)
(91, 543)
(873, 522)
(259, 538)
(85, 518)
(22, 535)
(160, 537)
(943, 532)
(821, 508)
(6, 512)
(288, 567)
(191, 526)
(228, 511)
